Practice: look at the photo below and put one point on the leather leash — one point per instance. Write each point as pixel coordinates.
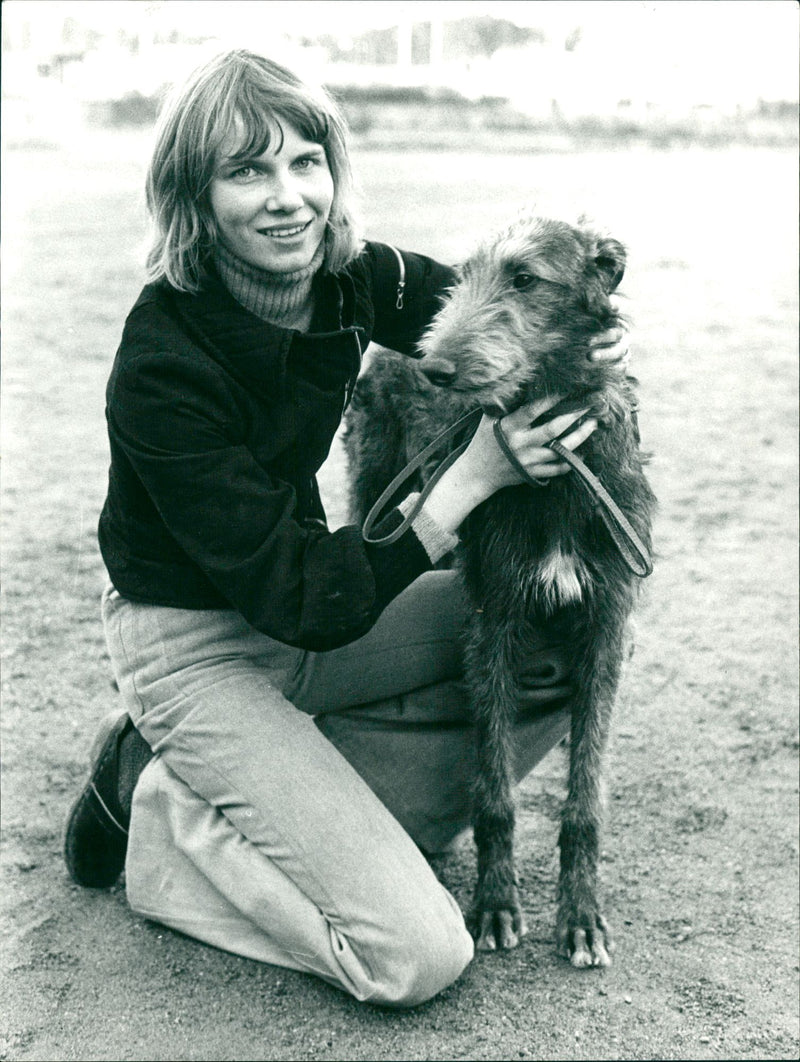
(632, 549)
(625, 538)
(412, 466)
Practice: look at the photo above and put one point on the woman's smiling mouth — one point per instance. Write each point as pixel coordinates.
(284, 232)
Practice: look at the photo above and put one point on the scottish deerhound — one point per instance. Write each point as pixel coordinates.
(537, 563)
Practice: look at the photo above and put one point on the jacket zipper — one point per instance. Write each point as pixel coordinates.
(350, 386)
(401, 283)
(401, 287)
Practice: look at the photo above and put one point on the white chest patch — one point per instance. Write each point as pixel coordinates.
(561, 578)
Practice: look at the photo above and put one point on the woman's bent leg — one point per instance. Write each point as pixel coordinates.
(190, 869)
(395, 706)
(425, 773)
(247, 798)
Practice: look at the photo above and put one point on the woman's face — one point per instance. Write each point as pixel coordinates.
(272, 210)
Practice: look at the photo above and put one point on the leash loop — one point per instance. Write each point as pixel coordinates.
(469, 420)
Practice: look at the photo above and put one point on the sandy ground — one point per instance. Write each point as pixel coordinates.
(701, 848)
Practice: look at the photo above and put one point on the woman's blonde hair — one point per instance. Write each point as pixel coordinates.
(260, 94)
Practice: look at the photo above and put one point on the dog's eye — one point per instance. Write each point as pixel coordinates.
(523, 281)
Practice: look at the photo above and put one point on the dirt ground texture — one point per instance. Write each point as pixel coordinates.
(700, 854)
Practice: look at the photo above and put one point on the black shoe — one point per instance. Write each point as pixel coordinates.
(96, 837)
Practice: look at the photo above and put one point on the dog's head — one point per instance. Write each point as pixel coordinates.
(520, 319)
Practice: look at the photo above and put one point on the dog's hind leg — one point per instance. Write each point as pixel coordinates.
(496, 919)
(583, 934)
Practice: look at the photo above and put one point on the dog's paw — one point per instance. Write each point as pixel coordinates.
(588, 943)
(497, 928)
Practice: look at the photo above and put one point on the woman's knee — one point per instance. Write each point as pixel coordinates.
(416, 956)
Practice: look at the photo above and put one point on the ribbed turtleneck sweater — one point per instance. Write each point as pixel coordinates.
(281, 298)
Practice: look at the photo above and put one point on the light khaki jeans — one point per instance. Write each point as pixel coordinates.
(282, 813)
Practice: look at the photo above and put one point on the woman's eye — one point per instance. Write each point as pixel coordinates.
(522, 281)
(244, 173)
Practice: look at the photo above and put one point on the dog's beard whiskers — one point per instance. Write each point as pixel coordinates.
(502, 406)
(498, 396)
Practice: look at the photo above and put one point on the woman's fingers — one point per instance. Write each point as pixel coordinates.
(619, 354)
(609, 338)
(520, 421)
(555, 427)
(531, 411)
(547, 468)
(580, 435)
(613, 346)
(546, 464)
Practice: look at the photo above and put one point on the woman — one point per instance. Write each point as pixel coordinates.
(298, 687)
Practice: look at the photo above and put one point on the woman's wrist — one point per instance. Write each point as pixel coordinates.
(436, 540)
(454, 497)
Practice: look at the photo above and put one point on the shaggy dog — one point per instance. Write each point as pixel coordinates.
(539, 564)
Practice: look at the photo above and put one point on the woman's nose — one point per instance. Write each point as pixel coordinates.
(283, 195)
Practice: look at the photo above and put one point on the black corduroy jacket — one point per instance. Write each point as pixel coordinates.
(218, 423)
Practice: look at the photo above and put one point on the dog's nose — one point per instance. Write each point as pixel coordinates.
(439, 371)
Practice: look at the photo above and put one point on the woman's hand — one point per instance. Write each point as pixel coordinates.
(612, 347)
(483, 468)
(529, 444)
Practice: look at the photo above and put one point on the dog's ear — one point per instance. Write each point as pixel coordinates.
(610, 258)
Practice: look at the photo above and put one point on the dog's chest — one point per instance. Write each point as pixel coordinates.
(533, 554)
(559, 577)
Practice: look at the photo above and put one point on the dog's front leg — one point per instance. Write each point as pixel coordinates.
(583, 933)
(496, 919)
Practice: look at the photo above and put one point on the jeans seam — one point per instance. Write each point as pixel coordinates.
(120, 608)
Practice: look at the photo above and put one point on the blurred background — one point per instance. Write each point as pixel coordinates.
(433, 73)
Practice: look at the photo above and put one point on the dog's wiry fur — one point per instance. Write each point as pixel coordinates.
(537, 563)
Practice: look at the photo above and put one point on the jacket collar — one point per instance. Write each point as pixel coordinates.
(261, 353)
